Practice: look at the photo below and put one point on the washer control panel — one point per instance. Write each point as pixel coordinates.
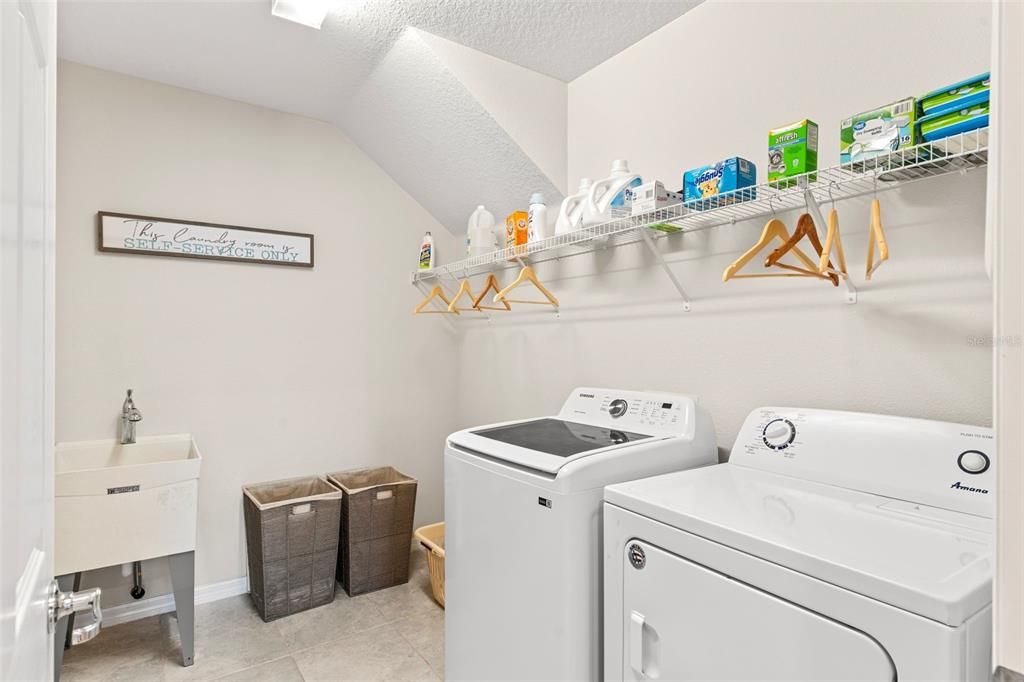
(939, 464)
(653, 414)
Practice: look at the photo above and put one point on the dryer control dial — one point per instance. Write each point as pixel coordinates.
(618, 407)
(779, 434)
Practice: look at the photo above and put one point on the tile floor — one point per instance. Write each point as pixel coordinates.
(393, 634)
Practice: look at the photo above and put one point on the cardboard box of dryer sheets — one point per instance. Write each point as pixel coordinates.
(878, 132)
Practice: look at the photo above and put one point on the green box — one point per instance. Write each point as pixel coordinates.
(792, 150)
(878, 132)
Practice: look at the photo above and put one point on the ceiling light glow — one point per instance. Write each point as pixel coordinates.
(306, 12)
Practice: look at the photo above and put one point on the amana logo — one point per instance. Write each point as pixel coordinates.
(960, 486)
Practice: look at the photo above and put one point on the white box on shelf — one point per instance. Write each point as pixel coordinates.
(653, 195)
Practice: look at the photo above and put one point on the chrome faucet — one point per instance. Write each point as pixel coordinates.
(130, 416)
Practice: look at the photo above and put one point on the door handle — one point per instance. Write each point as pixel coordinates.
(636, 643)
(63, 604)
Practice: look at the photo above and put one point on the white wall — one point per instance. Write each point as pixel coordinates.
(277, 371)
(710, 85)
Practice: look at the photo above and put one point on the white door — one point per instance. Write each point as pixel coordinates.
(686, 622)
(27, 131)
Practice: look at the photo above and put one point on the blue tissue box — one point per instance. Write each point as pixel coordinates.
(715, 185)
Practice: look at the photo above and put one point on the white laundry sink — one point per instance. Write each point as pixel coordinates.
(121, 503)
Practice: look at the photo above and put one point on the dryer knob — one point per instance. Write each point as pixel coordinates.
(618, 408)
(779, 434)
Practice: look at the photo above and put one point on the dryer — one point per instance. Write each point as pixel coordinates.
(831, 546)
(523, 527)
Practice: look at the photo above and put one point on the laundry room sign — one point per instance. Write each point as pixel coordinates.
(126, 233)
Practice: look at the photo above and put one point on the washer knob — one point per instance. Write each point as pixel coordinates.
(779, 434)
(973, 462)
(618, 408)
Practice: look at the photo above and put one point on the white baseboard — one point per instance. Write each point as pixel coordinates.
(164, 603)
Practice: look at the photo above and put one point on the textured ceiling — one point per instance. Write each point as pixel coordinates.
(355, 72)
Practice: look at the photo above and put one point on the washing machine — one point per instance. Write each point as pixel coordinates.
(523, 527)
(831, 546)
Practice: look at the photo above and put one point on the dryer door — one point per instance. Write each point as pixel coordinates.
(686, 622)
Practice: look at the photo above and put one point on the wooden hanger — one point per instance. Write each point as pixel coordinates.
(774, 230)
(876, 235)
(832, 240)
(805, 228)
(464, 290)
(436, 292)
(526, 275)
(492, 285)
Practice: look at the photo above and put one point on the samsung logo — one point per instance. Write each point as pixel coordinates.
(960, 486)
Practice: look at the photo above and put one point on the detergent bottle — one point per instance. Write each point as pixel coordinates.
(612, 193)
(570, 215)
(480, 233)
(537, 218)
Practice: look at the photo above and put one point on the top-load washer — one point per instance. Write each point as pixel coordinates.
(831, 546)
(522, 535)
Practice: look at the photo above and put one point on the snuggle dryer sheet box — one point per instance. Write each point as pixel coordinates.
(792, 150)
(704, 185)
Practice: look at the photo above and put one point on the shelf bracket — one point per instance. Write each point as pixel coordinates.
(664, 266)
(819, 223)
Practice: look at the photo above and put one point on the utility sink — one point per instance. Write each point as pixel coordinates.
(121, 503)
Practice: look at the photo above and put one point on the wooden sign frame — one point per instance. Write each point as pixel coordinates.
(151, 236)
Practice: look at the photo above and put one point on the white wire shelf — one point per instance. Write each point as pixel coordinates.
(957, 154)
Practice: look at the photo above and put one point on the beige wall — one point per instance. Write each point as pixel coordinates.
(277, 371)
(708, 86)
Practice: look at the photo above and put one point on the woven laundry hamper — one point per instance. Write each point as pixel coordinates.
(291, 532)
(376, 528)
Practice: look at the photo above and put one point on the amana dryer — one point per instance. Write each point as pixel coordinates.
(831, 546)
(523, 527)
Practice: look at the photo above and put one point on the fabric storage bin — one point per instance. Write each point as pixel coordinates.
(291, 533)
(376, 528)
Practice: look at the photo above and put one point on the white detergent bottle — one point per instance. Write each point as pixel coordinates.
(427, 253)
(610, 194)
(538, 218)
(570, 215)
(480, 233)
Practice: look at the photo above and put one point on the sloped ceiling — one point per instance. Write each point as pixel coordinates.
(422, 103)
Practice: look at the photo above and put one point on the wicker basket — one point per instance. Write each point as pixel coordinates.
(432, 539)
(291, 532)
(376, 528)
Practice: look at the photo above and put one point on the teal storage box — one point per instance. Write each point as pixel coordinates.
(715, 185)
(948, 123)
(957, 97)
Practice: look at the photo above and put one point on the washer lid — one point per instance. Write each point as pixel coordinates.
(930, 561)
(545, 444)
